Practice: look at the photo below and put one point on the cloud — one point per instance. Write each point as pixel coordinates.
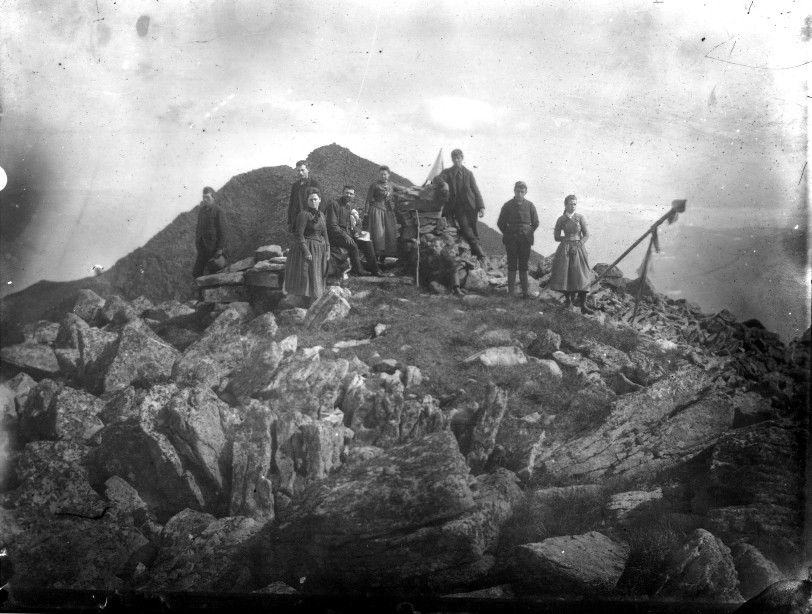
(459, 114)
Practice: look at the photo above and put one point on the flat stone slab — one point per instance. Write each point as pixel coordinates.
(220, 279)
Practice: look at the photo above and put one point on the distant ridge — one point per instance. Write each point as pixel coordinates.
(256, 202)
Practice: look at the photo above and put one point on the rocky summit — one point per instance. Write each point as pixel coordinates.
(395, 438)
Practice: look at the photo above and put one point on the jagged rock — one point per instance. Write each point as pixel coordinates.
(43, 332)
(620, 384)
(240, 265)
(51, 480)
(633, 287)
(117, 311)
(69, 361)
(251, 453)
(755, 571)
(501, 591)
(141, 451)
(277, 588)
(412, 378)
(72, 553)
(225, 294)
(505, 356)
(386, 365)
(94, 344)
(484, 428)
(401, 516)
(199, 552)
(751, 408)
(659, 427)
(549, 370)
(355, 454)
(21, 384)
(309, 385)
(332, 305)
(260, 365)
(782, 597)
(477, 281)
(577, 366)
(88, 305)
(216, 354)
(167, 310)
(586, 564)
(139, 356)
(292, 317)
(546, 343)
(33, 358)
(221, 279)
(140, 304)
(54, 412)
(378, 414)
(127, 507)
(702, 568)
(625, 508)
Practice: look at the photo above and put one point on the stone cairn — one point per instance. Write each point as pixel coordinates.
(258, 278)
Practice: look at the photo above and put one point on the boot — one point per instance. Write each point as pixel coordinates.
(582, 301)
(525, 284)
(567, 300)
(511, 282)
(371, 259)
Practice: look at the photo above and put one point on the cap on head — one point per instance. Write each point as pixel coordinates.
(456, 153)
(520, 185)
(301, 163)
(208, 190)
(384, 168)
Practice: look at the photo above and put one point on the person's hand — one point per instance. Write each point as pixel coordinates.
(481, 212)
(309, 257)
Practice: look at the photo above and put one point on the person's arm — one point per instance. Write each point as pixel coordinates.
(559, 226)
(501, 223)
(534, 218)
(480, 204)
(584, 231)
(331, 219)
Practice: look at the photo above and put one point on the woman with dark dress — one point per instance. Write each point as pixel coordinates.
(306, 268)
(381, 222)
(517, 222)
(571, 273)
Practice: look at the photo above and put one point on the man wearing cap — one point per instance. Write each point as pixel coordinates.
(465, 201)
(517, 222)
(298, 192)
(340, 231)
(209, 232)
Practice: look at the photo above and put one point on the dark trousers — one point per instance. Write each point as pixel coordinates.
(353, 247)
(518, 252)
(466, 220)
(203, 256)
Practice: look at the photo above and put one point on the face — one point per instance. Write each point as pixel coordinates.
(313, 201)
(570, 205)
(457, 160)
(208, 198)
(520, 192)
(384, 175)
(302, 171)
(349, 195)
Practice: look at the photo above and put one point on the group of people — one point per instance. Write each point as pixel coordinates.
(318, 226)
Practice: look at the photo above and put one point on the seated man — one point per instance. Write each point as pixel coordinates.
(340, 231)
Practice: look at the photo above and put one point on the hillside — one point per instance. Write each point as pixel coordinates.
(256, 202)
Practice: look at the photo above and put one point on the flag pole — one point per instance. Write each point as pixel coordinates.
(643, 276)
(677, 206)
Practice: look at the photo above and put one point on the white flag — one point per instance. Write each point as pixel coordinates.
(436, 168)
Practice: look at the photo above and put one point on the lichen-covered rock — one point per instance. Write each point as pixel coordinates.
(625, 508)
(260, 365)
(251, 456)
(42, 331)
(88, 305)
(167, 310)
(392, 520)
(545, 344)
(95, 348)
(294, 316)
(68, 335)
(656, 428)
(328, 307)
(755, 571)
(199, 552)
(504, 356)
(702, 568)
(484, 428)
(216, 354)
(116, 310)
(587, 564)
(54, 412)
(36, 359)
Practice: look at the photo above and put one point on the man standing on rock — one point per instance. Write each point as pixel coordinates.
(341, 233)
(465, 202)
(298, 192)
(209, 233)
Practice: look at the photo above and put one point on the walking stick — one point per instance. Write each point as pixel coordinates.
(417, 268)
(677, 206)
(643, 276)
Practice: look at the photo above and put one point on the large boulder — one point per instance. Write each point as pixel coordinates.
(756, 572)
(88, 305)
(95, 349)
(35, 359)
(199, 552)
(396, 518)
(260, 365)
(252, 445)
(332, 305)
(481, 435)
(587, 564)
(701, 569)
(54, 412)
(651, 430)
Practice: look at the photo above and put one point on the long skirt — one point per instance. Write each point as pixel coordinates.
(303, 277)
(383, 230)
(570, 269)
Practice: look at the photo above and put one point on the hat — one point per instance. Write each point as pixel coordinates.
(363, 236)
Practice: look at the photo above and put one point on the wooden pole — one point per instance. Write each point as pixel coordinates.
(417, 266)
(677, 206)
(643, 277)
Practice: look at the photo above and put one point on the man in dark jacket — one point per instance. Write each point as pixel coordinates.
(517, 222)
(209, 233)
(465, 201)
(298, 192)
(341, 233)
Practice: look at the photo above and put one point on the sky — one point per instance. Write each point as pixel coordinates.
(116, 114)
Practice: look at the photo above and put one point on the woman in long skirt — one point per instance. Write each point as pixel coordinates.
(306, 268)
(571, 273)
(381, 222)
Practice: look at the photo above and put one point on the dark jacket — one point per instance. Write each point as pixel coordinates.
(515, 219)
(337, 215)
(466, 194)
(298, 198)
(211, 227)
